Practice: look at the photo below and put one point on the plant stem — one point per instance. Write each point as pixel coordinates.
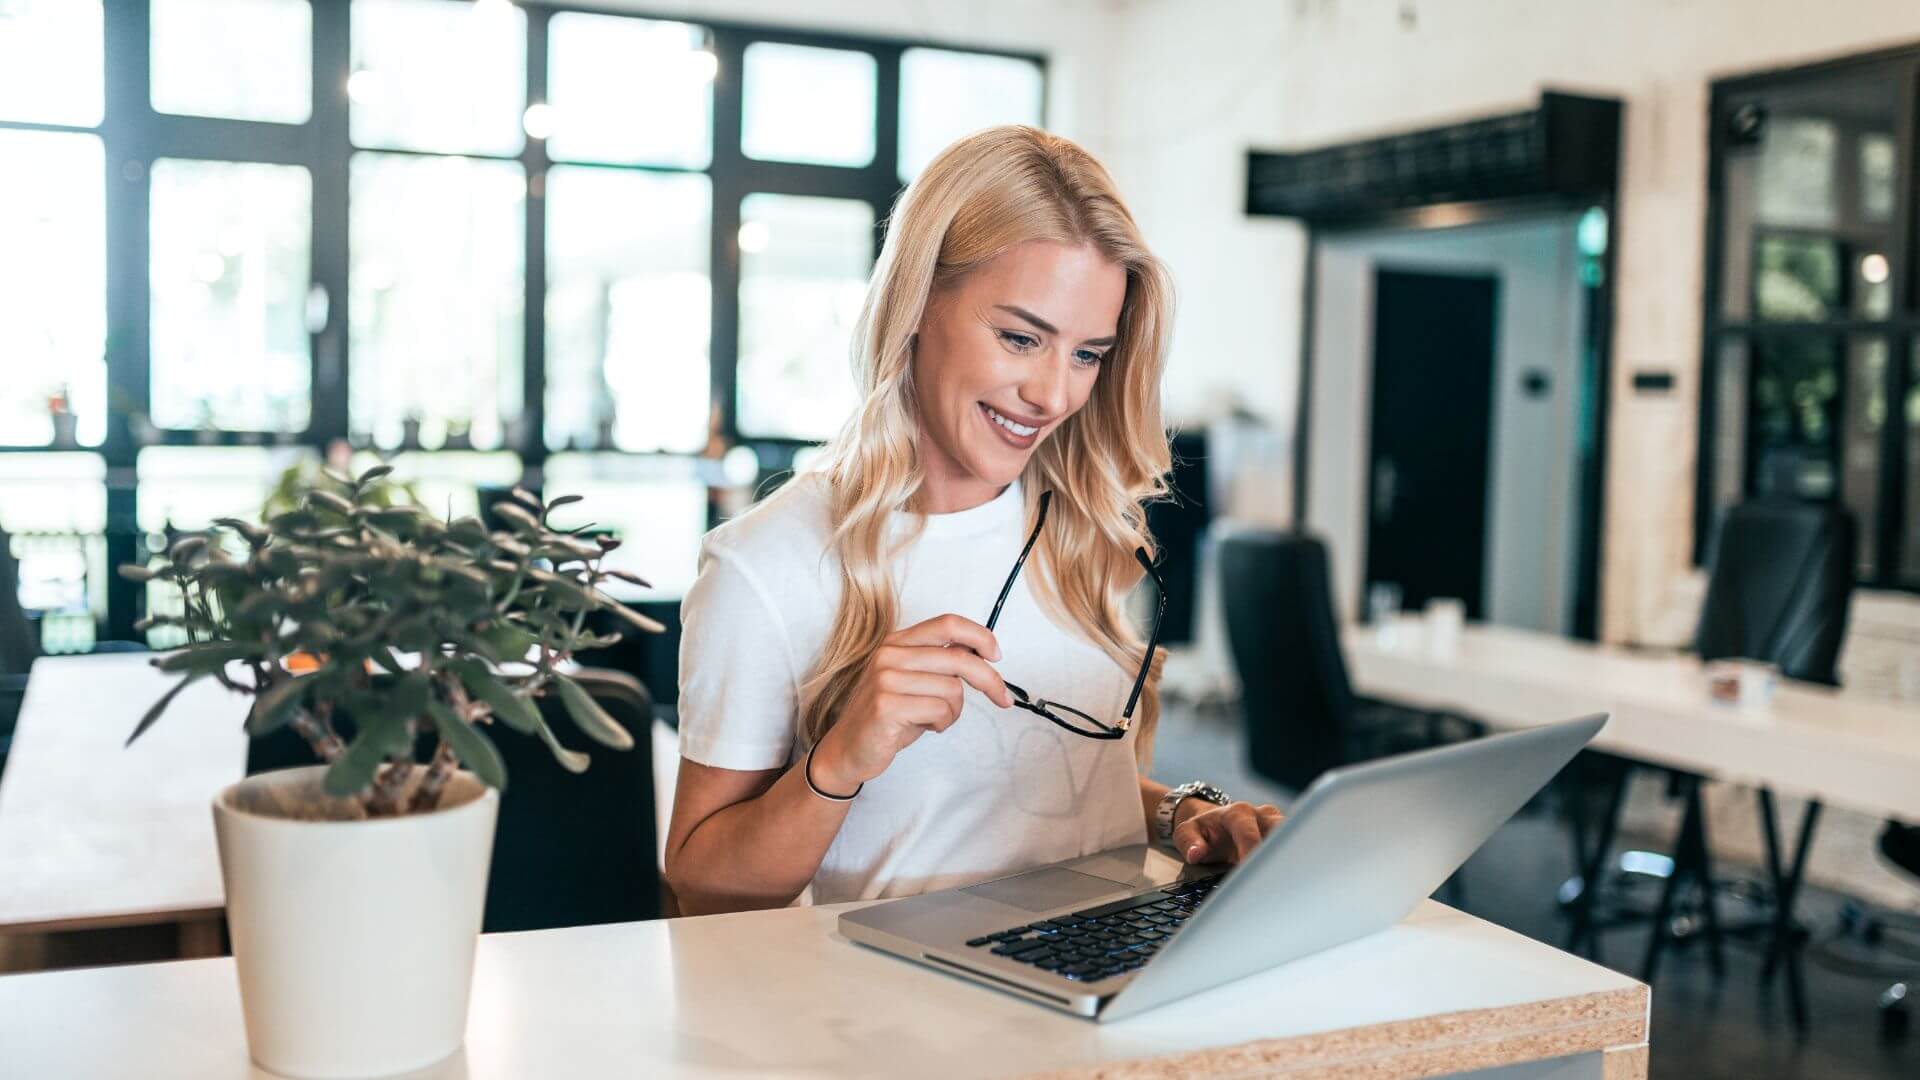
(319, 734)
(439, 771)
(383, 798)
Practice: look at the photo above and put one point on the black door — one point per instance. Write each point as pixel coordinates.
(1432, 409)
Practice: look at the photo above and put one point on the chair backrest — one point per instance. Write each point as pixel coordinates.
(18, 644)
(1779, 588)
(1285, 639)
(576, 850)
(569, 850)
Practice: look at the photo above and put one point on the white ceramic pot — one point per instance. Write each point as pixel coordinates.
(354, 938)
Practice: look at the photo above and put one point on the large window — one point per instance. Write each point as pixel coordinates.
(1811, 312)
(470, 236)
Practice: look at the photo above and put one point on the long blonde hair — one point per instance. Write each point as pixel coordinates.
(983, 195)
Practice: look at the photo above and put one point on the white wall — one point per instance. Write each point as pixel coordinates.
(1196, 84)
(1532, 476)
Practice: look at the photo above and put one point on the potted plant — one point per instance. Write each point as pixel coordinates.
(354, 887)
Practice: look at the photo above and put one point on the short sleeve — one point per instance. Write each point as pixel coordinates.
(739, 696)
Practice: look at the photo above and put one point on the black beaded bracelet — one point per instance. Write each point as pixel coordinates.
(806, 773)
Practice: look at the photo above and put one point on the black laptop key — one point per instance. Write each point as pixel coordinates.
(979, 941)
(1014, 948)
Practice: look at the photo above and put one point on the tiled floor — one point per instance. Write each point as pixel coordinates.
(1703, 1028)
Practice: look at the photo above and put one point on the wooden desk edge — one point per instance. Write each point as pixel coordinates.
(111, 920)
(1609, 1022)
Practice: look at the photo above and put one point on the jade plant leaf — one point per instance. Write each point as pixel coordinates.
(590, 717)
(471, 746)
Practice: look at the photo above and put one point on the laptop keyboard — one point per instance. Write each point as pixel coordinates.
(1103, 941)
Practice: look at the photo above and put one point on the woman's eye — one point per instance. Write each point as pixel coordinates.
(1018, 340)
(1087, 357)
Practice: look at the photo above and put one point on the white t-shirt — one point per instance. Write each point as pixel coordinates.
(999, 791)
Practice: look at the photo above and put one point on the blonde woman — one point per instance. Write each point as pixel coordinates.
(911, 668)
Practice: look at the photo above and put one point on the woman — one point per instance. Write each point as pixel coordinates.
(845, 722)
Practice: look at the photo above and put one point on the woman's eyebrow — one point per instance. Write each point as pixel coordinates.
(1045, 326)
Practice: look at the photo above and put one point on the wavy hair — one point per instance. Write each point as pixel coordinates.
(983, 195)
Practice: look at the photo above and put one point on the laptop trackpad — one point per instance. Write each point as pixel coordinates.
(1049, 887)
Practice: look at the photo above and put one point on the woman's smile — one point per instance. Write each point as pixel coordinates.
(1017, 435)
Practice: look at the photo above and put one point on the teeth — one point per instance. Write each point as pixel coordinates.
(1021, 430)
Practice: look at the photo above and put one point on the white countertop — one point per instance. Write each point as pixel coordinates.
(781, 993)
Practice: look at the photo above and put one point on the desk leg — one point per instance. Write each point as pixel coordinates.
(1783, 946)
(202, 938)
(1691, 860)
(1592, 866)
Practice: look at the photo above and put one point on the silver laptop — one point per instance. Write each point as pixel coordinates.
(1117, 933)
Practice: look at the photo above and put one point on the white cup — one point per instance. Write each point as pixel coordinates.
(1445, 616)
(1746, 683)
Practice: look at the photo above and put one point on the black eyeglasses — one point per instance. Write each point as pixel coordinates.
(1067, 716)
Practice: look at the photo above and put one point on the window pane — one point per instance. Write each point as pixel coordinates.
(450, 482)
(246, 59)
(435, 285)
(441, 75)
(230, 260)
(657, 506)
(628, 309)
(53, 289)
(54, 510)
(51, 66)
(1808, 180)
(944, 95)
(1793, 416)
(803, 274)
(1796, 277)
(600, 65)
(53, 493)
(1866, 415)
(187, 487)
(807, 104)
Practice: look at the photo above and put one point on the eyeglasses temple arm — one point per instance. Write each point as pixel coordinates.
(1040, 518)
(1153, 639)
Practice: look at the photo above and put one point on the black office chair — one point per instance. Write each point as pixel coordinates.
(1778, 591)
(1301, 713)
(569, 850)
(19, 646)
(1780, 586)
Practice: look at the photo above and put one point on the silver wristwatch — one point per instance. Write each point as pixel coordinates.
(1163, 814)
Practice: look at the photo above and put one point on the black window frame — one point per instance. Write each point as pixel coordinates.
(134, 135)
(1900, 328)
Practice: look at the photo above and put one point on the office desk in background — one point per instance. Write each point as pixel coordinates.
(1819, 742)
(1823, 743)
(96, 834)
(781, 993)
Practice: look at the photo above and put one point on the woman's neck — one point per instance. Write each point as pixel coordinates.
(943, 493)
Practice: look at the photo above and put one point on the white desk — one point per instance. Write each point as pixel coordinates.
(1818, 742)
(93, 833)
(1815, 741)
(781, 993)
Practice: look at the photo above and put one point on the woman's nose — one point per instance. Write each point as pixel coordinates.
(1047, 385)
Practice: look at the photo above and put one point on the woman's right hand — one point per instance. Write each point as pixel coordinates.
(913, 683)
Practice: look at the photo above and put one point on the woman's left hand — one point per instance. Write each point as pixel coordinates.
(1223, 833)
